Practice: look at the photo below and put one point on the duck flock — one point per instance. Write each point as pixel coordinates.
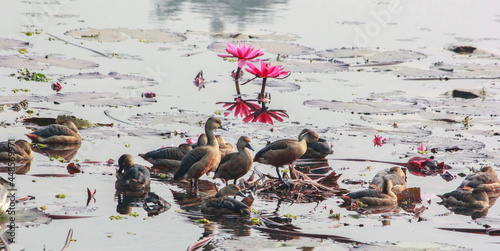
(211, 153)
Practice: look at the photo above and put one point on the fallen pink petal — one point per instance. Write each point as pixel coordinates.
(56, 86)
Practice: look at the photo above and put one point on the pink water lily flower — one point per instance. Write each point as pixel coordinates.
(264, 115)
(379, 140)
(243, 53)
(267, 71)
(422, 149)
(241, 107)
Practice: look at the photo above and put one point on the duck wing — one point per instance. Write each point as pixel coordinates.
(52, 130)
(165, 153)
(229, 204)
(192, 157)
(276, 145)
(137, 172)
(375, 193)
(226, 158)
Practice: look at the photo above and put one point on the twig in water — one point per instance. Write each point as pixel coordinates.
(94, 51)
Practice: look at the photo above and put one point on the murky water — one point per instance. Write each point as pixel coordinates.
(371, 100)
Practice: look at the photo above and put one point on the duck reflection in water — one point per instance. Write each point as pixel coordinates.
(149, 201)
(19, 153)
(65, 151)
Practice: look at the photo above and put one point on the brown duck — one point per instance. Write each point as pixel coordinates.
(131, 176)
(396, 174)
(486, 179)
(202, 159)
(65, 132)
(318, 149)
(221, 203)
(225, 148)
(167, 157)
(19, 150)
(374, 197)
(285, 151)
(234, 165)
(461, 198)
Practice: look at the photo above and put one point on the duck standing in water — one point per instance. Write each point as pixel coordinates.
(234, 165)
(285, 151)
(167, 157)
(486, 178)
(221, 203)
(202, 159)
(65, 132)
(461, 198)
(374, 197)
(15, 151)
(396, 174)
(131, 176)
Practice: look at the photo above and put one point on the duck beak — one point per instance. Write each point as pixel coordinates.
(241, 194)
(223, 128)
(249, 147)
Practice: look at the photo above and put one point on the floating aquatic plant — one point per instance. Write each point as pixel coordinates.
(25, 74)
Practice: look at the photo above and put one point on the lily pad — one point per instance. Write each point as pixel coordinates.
(396, 56)
(98, 99)
(12, 44)
(363, 106)
(112, 75)
(42, 63)
(280, 86)
(263, 36)
(121, 34)
(314, 66)
(346, 53)
(269, 47)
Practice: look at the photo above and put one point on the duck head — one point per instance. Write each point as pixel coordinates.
(310, 136)
(70, 124)
(243, 142)
(230, 190)
(124, 162)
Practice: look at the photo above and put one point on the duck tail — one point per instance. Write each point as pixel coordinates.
(33, 137)
(142, 155)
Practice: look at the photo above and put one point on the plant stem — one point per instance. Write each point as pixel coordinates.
(263, 90)
(237, 82)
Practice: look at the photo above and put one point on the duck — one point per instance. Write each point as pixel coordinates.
(396, 174)
(15, 151)
(486, 178)
(234, 165)
(221, 203)
(462, 198)
(374, 197)
(285, 151)
(225, 148)
(318, 149)
(65, 132)
(131, 176)
(202, 159)
(167, 157)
